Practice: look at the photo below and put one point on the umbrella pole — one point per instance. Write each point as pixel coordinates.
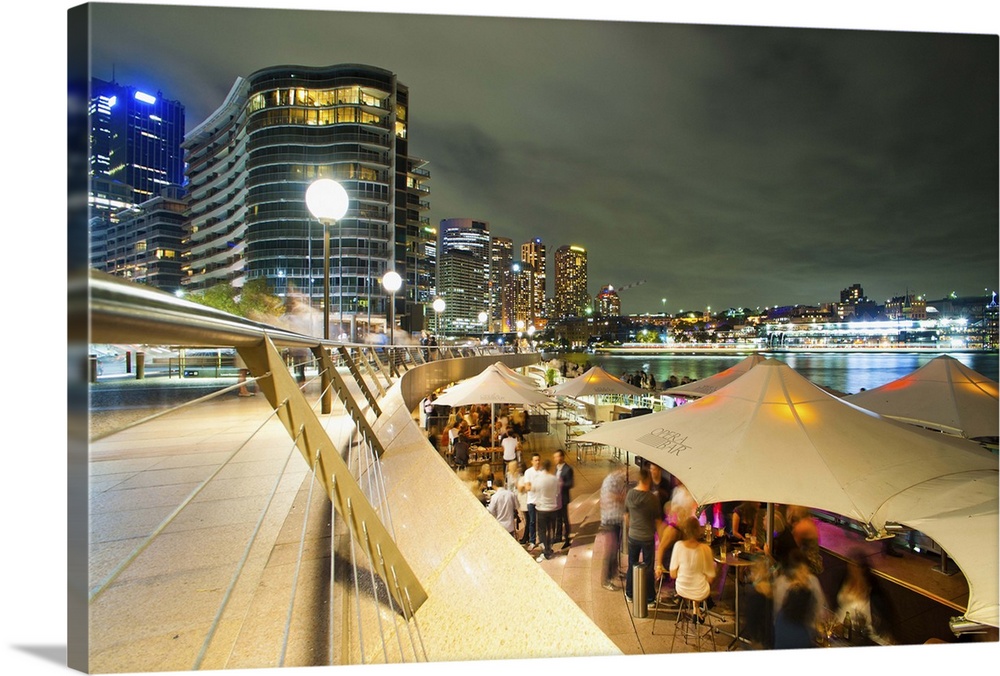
(770, 529)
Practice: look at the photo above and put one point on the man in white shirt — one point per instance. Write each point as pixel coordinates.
(511, 448)
(503, 505)
(531, 535)
(546, 487)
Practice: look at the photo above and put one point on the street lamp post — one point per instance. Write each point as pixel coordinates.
(327, 201)
(392, 283)
(438, 306)
(482, 320)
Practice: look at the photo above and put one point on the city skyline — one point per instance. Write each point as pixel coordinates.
(726, 165)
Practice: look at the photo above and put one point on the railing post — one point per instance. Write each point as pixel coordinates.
(319, 451)
(325, 378)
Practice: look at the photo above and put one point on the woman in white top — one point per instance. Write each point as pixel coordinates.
(691, 564)
(514, 479)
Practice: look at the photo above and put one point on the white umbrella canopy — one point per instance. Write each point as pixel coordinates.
(773, 436)
(595, 381)
(959, 512)
(705, 386)
(503, 368)
(944, 394)
(491, 387)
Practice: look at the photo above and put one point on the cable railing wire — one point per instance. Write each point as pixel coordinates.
(376, 493)
(241, 564)
(357, 587)
(142, 546)
(298, 563)
(172, 409)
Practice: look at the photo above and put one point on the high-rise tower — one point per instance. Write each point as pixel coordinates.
(463, 274)
(250, 163)
(533, 257)
(135, 139)
(135, 153)
(501, 289)
(571, 298)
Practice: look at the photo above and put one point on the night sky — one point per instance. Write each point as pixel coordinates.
(727, 166)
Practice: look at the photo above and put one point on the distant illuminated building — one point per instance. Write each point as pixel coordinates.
(463, 273)
(144, 244)
(990, 324)
(608, 302)
(851, 300)
(906, 307)
(852, 294)
(501, 296)
(571, 298)
(533, 257)
(521, 287)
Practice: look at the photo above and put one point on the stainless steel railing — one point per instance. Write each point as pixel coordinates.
(106, 310)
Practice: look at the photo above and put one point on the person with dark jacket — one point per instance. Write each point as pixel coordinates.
(460, 452)
(565, 475)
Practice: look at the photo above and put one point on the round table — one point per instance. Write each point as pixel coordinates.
(732, 558)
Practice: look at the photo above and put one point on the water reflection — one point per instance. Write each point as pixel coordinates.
(848, 373)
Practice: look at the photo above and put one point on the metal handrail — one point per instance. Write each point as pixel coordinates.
(107, 309)
(117, 311)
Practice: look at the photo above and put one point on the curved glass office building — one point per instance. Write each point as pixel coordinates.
(282, 128)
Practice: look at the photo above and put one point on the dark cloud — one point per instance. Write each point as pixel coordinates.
(726, 165)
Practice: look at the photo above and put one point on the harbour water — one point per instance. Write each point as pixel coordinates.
(845, 372)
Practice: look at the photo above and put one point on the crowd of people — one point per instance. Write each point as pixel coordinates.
(785, 605)
(452, 431)
(666, 530)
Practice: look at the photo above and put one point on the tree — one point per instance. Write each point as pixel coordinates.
(648, 336)
(221, 297)
(253, 301)
(257, 302)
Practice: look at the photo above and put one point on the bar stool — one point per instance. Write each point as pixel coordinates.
(687, 623)
(669, 607)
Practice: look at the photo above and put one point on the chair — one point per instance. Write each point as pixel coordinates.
(688, 625)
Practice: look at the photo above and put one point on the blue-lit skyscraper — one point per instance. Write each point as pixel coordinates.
(135, 138)
(135, 152)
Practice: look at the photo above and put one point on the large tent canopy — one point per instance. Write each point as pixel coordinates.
(492, 386)
(944, 394)
(773, 436)
(959, 512)
(525, 379)
(596, 381)
(705, 386)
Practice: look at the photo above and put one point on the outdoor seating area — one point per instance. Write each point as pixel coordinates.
(740, 612)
